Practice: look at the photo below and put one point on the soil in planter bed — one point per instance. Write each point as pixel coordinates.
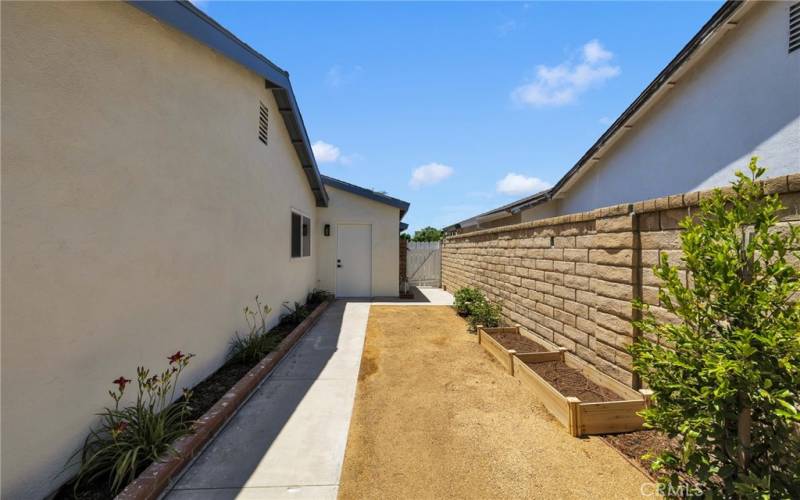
(635, 445)
(204, 396)
(517, 342)
(572, 383)
(209, 391)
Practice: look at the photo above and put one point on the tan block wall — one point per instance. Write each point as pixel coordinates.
(571, 279)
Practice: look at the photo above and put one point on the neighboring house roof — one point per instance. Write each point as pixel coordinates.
(185, 17)
(367, 193)
(504, 211)
(403, 226)
(665, 79)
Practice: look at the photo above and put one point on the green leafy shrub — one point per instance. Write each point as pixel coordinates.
(483, 313)
(252, 347)
(317, 296)
(465, 297)
(470, 302)
(130, 438)
(294, 315)
(428, 234)
(726, 378)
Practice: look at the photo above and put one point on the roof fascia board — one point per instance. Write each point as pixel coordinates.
(494, 216)
(367, 193)
(185, 17)
(720, 22)
(207, 31)
(708, 35)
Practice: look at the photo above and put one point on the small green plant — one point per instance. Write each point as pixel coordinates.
(465, 297)
(129, 438)
(726, 379)
(483, 313)
(317, 296)
(294, 315)
(471, 303)
(252, 347)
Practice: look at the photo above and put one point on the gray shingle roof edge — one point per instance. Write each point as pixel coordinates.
(187, 18)
(717, 19)
(367, 193)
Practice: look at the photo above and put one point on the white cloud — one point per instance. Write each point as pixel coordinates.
(328, 153)
(338, 76)
(518, 185)
(325, 153)
(428, 174)
(594, 53)
(562, 84)
(605, 121)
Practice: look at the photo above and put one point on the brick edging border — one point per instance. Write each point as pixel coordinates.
(155, 479)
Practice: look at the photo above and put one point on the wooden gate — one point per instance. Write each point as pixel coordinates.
(424, 263)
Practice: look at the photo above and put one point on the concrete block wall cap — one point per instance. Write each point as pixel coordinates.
(157, 477)
(793, 182)
(776, 185)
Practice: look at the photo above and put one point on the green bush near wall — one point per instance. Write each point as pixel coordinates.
(470, 302)
(726, 378)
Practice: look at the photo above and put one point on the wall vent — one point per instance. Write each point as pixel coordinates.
(263, 123)
(794, 27)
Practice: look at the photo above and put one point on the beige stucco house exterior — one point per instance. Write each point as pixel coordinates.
(731, 93)
(156, 176)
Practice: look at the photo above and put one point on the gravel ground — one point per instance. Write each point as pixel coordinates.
(436, 417)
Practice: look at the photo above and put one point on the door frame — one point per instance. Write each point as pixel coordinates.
(336, 256)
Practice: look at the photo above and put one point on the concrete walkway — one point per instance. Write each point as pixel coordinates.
(288, 440)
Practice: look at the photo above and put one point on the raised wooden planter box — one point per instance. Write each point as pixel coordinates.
(582, 419)
(506, 356)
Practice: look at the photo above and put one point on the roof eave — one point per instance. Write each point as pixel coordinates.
(703, 40)
(667, 78)
(403, 206)
(190, 20)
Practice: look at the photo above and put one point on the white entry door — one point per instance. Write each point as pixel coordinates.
(353, 260)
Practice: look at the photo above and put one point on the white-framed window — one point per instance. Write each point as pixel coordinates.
(301, 235)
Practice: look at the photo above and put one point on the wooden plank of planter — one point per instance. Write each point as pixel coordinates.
(582, 419)
(503, 355)
(540, 357)
(540, 340)
(496, 349)
(609, 417)
(155, 479)
(553, 400)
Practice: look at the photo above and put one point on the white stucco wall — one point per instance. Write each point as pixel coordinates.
(140, 213)
(741, 99)
(348, 208)
(541, 211)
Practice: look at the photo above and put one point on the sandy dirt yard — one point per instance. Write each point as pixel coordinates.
(436, 417)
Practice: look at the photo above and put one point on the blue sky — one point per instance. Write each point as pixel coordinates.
(461, 107)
